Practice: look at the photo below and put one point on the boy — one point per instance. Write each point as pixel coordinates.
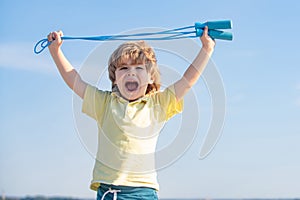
(130, 116)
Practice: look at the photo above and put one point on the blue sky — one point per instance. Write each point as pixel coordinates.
(258, 153)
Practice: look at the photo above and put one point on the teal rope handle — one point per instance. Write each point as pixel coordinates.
(172, 34)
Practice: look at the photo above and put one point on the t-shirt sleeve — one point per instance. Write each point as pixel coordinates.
(168, 102)
(95, 102)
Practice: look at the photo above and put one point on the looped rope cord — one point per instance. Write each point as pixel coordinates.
(111, 191)
(172, 34)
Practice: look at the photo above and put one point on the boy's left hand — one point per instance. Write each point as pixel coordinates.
(207, 42)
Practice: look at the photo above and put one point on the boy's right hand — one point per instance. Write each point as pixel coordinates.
(55, 39)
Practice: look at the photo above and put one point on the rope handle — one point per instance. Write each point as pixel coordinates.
(177, 33)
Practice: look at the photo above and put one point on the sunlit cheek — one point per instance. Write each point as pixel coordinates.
(119, 76)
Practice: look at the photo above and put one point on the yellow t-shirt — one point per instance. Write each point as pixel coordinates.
(128, 133)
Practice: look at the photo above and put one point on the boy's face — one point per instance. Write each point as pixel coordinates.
(132, 80)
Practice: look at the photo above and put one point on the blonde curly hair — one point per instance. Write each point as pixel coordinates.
(138, 52)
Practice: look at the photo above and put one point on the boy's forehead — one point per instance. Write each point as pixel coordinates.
(129, 61)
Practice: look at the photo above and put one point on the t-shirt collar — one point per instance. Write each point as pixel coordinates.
(144, 98)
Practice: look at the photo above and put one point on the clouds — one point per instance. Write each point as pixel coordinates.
(21, 57)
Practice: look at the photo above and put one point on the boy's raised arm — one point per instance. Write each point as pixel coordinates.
(194, 71)
(67, 71)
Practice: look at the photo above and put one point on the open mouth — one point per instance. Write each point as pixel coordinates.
(131, 86)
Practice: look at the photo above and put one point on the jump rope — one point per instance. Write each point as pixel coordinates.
(178, 33)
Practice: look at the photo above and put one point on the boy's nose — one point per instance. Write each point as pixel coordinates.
(131, 72)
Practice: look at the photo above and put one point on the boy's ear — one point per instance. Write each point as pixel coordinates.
(151, 81)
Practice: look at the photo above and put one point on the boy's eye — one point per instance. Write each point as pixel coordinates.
(123, 68)
(140, 67)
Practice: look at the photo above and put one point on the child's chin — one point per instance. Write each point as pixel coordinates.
(132, 97)
(132, 92)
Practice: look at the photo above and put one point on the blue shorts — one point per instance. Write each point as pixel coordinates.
(125, 193)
